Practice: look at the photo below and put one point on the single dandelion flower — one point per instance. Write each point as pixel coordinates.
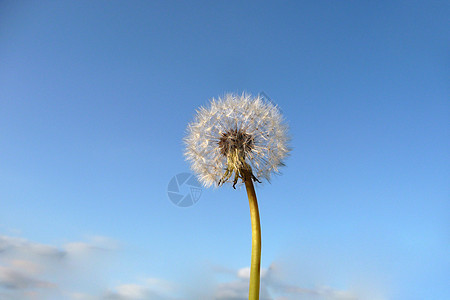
(239, 137)
(236, 133)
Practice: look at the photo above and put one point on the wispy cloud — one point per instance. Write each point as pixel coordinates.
(30, 270)
(149, 288)
(273, 288)
(13, 246)
(12, 279)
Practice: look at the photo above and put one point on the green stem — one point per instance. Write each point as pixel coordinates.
(253, 293)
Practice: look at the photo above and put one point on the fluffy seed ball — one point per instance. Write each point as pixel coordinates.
(233, 133)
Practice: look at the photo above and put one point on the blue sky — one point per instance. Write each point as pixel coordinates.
(95, 97)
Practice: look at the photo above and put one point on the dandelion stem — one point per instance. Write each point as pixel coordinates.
(253, 293)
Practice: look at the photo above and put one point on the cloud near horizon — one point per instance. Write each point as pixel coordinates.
(30, 270)
(273, 287)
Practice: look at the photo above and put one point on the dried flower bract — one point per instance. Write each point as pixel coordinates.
(236, 134)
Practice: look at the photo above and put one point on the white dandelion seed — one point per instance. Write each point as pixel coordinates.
(236, 134)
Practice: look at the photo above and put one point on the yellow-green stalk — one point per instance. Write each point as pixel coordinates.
(255, 267)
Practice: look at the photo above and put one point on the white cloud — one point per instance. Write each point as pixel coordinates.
(274, 288)
(30, 270)
(150, 288)
(13, 246)
(95, 243)
(244, 273)
(10, 278)
(27, 266)
(131, 291)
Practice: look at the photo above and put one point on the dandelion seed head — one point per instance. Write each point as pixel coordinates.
(236, 132)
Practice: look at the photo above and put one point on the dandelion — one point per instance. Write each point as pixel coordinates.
(239, 137)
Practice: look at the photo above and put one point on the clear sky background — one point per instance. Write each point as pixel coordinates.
(95, 97)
